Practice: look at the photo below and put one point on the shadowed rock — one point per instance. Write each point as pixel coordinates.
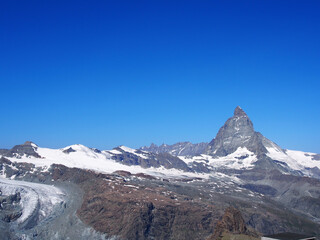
(178, 149)
(231, 222)
(27, 149)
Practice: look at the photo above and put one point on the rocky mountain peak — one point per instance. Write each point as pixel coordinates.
(27, 149)
(236, 132)
(29, 143)
(153, 145)
(238, 112)
(239, 124)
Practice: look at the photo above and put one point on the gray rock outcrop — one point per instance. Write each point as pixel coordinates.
(238, 132)
(178, 149)
(28, 149)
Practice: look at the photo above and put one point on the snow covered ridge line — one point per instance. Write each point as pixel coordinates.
(134, 151)
(296, 160)
(80, 156)
(36, 199)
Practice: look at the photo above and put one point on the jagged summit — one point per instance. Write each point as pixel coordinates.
(238, 132)
(239, 112)
(27, 149)
(30, 143)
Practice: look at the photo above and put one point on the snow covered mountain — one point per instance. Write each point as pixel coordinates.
(107, 161)
(237, 146)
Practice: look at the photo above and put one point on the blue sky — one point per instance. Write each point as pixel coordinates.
(109, 73)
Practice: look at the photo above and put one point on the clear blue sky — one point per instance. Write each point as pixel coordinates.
(108, 73)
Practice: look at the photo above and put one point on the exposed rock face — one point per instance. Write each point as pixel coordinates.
(238, 132)
(69, 150)
(178, 149)
(231, 222)
(3, 151)
(9, 199)
(151, 160)
(9, 208)
(316, 157)
(259, 188)
(28, 149)
(18, 170)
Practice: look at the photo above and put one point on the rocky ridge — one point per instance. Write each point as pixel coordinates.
(178, 149)
(28, 149)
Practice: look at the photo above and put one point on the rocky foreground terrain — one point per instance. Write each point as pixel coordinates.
(239, 186)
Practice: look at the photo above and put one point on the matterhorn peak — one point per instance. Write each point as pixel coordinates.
(238, 112)
(237, 132)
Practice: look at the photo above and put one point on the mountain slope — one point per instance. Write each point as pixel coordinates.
(178, 149)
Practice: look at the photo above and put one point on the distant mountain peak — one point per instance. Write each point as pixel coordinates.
(29, 143)
(238, 131)
(27, 149)
(153, 145)
(238, 112)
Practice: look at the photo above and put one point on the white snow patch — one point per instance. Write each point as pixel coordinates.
(33, 145)
(131, 186)
(296, 160)
(114, 151)
(279, 155)
(127, 149)
(133, 151)
(242, 158)
(303, 158)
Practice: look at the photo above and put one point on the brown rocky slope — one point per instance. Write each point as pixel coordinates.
(232, 223)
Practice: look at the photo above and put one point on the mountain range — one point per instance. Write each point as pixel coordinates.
(239, 168)
(236, 146)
